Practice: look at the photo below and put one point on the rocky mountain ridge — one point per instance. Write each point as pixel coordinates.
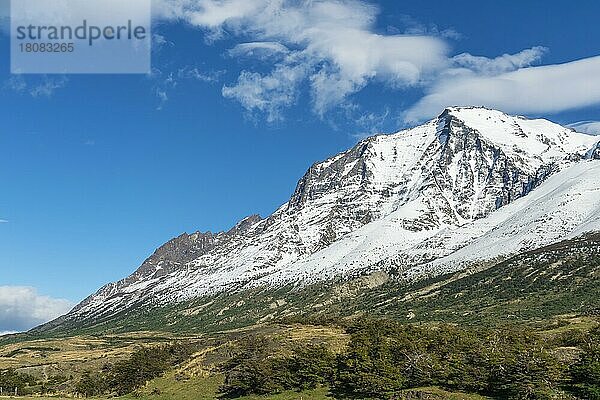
(419, 203)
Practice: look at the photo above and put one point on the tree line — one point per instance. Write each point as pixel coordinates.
(384, 357)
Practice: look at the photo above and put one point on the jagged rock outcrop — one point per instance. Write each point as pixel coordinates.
(594, 152)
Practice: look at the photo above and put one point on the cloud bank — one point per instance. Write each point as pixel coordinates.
(22, 308)
(329, 44)
(333, 48)
(543, 89)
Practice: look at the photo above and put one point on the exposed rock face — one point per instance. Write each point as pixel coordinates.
(477, 175)
(594, 153)
(175, 253)
(402, 196)
(167, 259)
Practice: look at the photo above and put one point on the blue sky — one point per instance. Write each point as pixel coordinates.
(99, 170)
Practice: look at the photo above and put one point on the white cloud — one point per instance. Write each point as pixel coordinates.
(501, 64)
(371, 124)
(415, 27)
(163, 97)
(211, 14)
(589, 127)
(3, 221)
(22, 308)
(16, 83)
(196, 74)
(543, 89)
(269, 93)
(360, 57)
(330, 44)
(48, 87)
(165, 82)
(333, 49)
(159, 42)
(259, 50)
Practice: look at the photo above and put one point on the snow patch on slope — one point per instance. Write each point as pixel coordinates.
(470, 185)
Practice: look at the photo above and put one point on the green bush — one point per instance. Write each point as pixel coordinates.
(384, 357)
(145, 364)
(585, 374)
(91, 384)
(257, 369)
(310, 367)
(253, 370)
(11, 380)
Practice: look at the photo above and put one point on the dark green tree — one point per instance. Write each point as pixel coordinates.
(11, 380)
(254, 369)
(310, 366)
(91, 384)
(585, 374)
(370, 367)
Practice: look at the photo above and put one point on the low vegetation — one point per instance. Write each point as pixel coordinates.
(145, 364)
(344, 359)
(384, 358)
(12, 382)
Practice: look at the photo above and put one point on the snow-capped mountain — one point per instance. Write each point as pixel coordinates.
(471, 185)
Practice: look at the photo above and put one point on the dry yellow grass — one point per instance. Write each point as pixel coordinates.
(45, 358)
(71, 357)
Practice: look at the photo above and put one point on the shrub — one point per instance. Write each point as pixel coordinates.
(91, 384)
(370, 366)
(144, 365)
(257, 369)
(11, 380)
(253, 370)
(585, 373)
(310, 367)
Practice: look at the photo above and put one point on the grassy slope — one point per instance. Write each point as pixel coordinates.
(561, 279)
(205, 390)
(72, 356)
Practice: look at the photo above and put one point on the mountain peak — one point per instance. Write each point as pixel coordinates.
(401, 200)
(459, 112)
(534, 141)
